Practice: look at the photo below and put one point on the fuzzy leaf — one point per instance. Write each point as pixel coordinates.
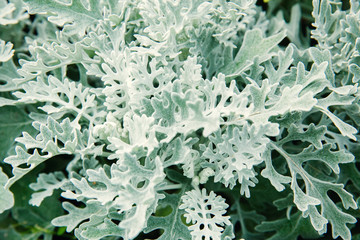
(205, 212)
(6, 51)
(50, 133)
(129, 188)
(315, 191)
(337, 99)
(236, 153)
(11, 12)
(77, 215)
(67, 96)
(172, 224)
(48, 183)
(180, 151)
(76, 13)
(8, 72)
(6, 197)
(250, 49)
(141, 134)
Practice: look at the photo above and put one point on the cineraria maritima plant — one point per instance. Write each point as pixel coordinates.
(179, 119)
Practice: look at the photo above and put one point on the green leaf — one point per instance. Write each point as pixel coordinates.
(289, 229)
(246, 219)
(172, 224)
(9, 234)
(13, 121)
(34, 221)
(40, 216)
(349, 172)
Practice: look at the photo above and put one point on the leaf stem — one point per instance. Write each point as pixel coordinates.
(171, 187)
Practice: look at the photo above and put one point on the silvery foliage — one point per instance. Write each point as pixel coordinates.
(187, 105)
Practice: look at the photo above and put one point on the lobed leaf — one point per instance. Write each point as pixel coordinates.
(77, 15)
(205, 212)
(6, 197)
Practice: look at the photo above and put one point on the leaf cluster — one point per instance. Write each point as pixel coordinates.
(169, 119)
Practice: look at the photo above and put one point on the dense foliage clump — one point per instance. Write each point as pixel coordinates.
(172, 119)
